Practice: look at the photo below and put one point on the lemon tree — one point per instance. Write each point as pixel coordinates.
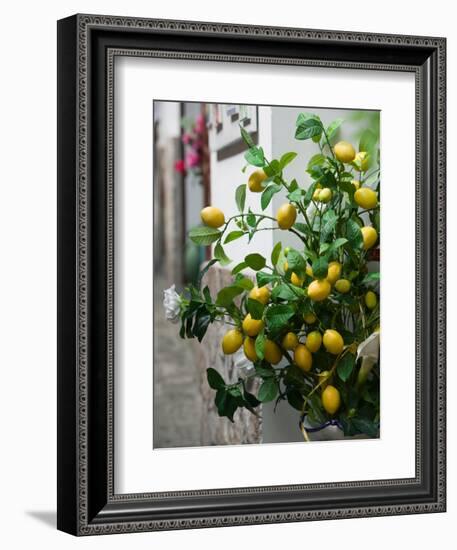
(301, 319)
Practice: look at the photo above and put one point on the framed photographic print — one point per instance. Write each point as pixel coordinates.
(251, 274)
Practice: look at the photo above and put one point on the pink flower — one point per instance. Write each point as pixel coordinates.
(180, 166)
(192, 159)
(186, 138)
(200, 124)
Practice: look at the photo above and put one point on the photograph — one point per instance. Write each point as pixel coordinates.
(231, 349)
(266, 237)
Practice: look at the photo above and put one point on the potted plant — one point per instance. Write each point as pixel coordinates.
(308, 325)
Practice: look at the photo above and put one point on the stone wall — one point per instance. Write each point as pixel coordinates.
(247, 427)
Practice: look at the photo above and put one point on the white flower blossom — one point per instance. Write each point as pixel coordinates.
(171, 303)
(368, 350)
(243, 364)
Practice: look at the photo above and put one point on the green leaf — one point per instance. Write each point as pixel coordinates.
(293, 376)
(346, 366)
(204, 235)
(285, 292)
(220, 400)
(202, 321)
(367, 141)
(255, 308)
(240, 197)
(316, 160)
(295, 399)
(296, 261)
(230, 406)
(215, 380)
(330, 248)
(265, 371)
(347, 187)
(239, 268)
(304, 116)
(316, 412)
(308, 128)
(293, 185)
(278, 315)
(268, 390)
(329, 220)
(250, 400)
(265, 278)
(244, 282)
(320, 268)
(286, 159)
(333, 127)
(251, 219)
(339, 242)
(247, 137)
(353, 234)
(207, 295)
(268, 193)
(233, 235)
(204, 271)
(260, 345)
(255, 156)
(366, 426)
(296, 196)
(371, 277)
(272, 169)
(255, 261)
(303, 228)
(309, 194)
(275, 253)
(324, 247)
(226, 295)
(220, 255)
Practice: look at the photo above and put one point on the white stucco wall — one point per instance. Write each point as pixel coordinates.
(226, 176)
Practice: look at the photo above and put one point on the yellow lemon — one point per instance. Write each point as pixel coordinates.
(313, 341)
(290, 341)
(343, 286)
(316, 195)
(212, 216)
(286, 251)
(309, 318)
(261, 294)
(370, 236)
(366, 198)
(296, 280)
(303, 357)
(333, 341)
(356, 184)
(286, 216)
(319, 290)
(251, 326)
(272, 352)
(331, 399)
(255, 181)
(344, 151)
(371, 299)
(309, 270)
(334, 272)
(362, 160)
(249, 349)
(325, 195)
(324, 378)
(232, 341)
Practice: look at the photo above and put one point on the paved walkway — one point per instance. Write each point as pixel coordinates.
(177, 397)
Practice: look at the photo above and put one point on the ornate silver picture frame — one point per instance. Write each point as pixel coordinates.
(87, 501)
